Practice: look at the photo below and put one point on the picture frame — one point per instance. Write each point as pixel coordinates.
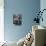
(17, 19)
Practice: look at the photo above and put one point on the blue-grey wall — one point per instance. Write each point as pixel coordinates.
(25, 7)
(43, 6)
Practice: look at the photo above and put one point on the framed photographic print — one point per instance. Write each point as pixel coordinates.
(17, 20)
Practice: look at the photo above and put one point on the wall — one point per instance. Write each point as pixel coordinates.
(43, 6)
(25, 7)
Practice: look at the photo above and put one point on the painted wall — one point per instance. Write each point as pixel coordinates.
(43, 6)
(25, 7)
